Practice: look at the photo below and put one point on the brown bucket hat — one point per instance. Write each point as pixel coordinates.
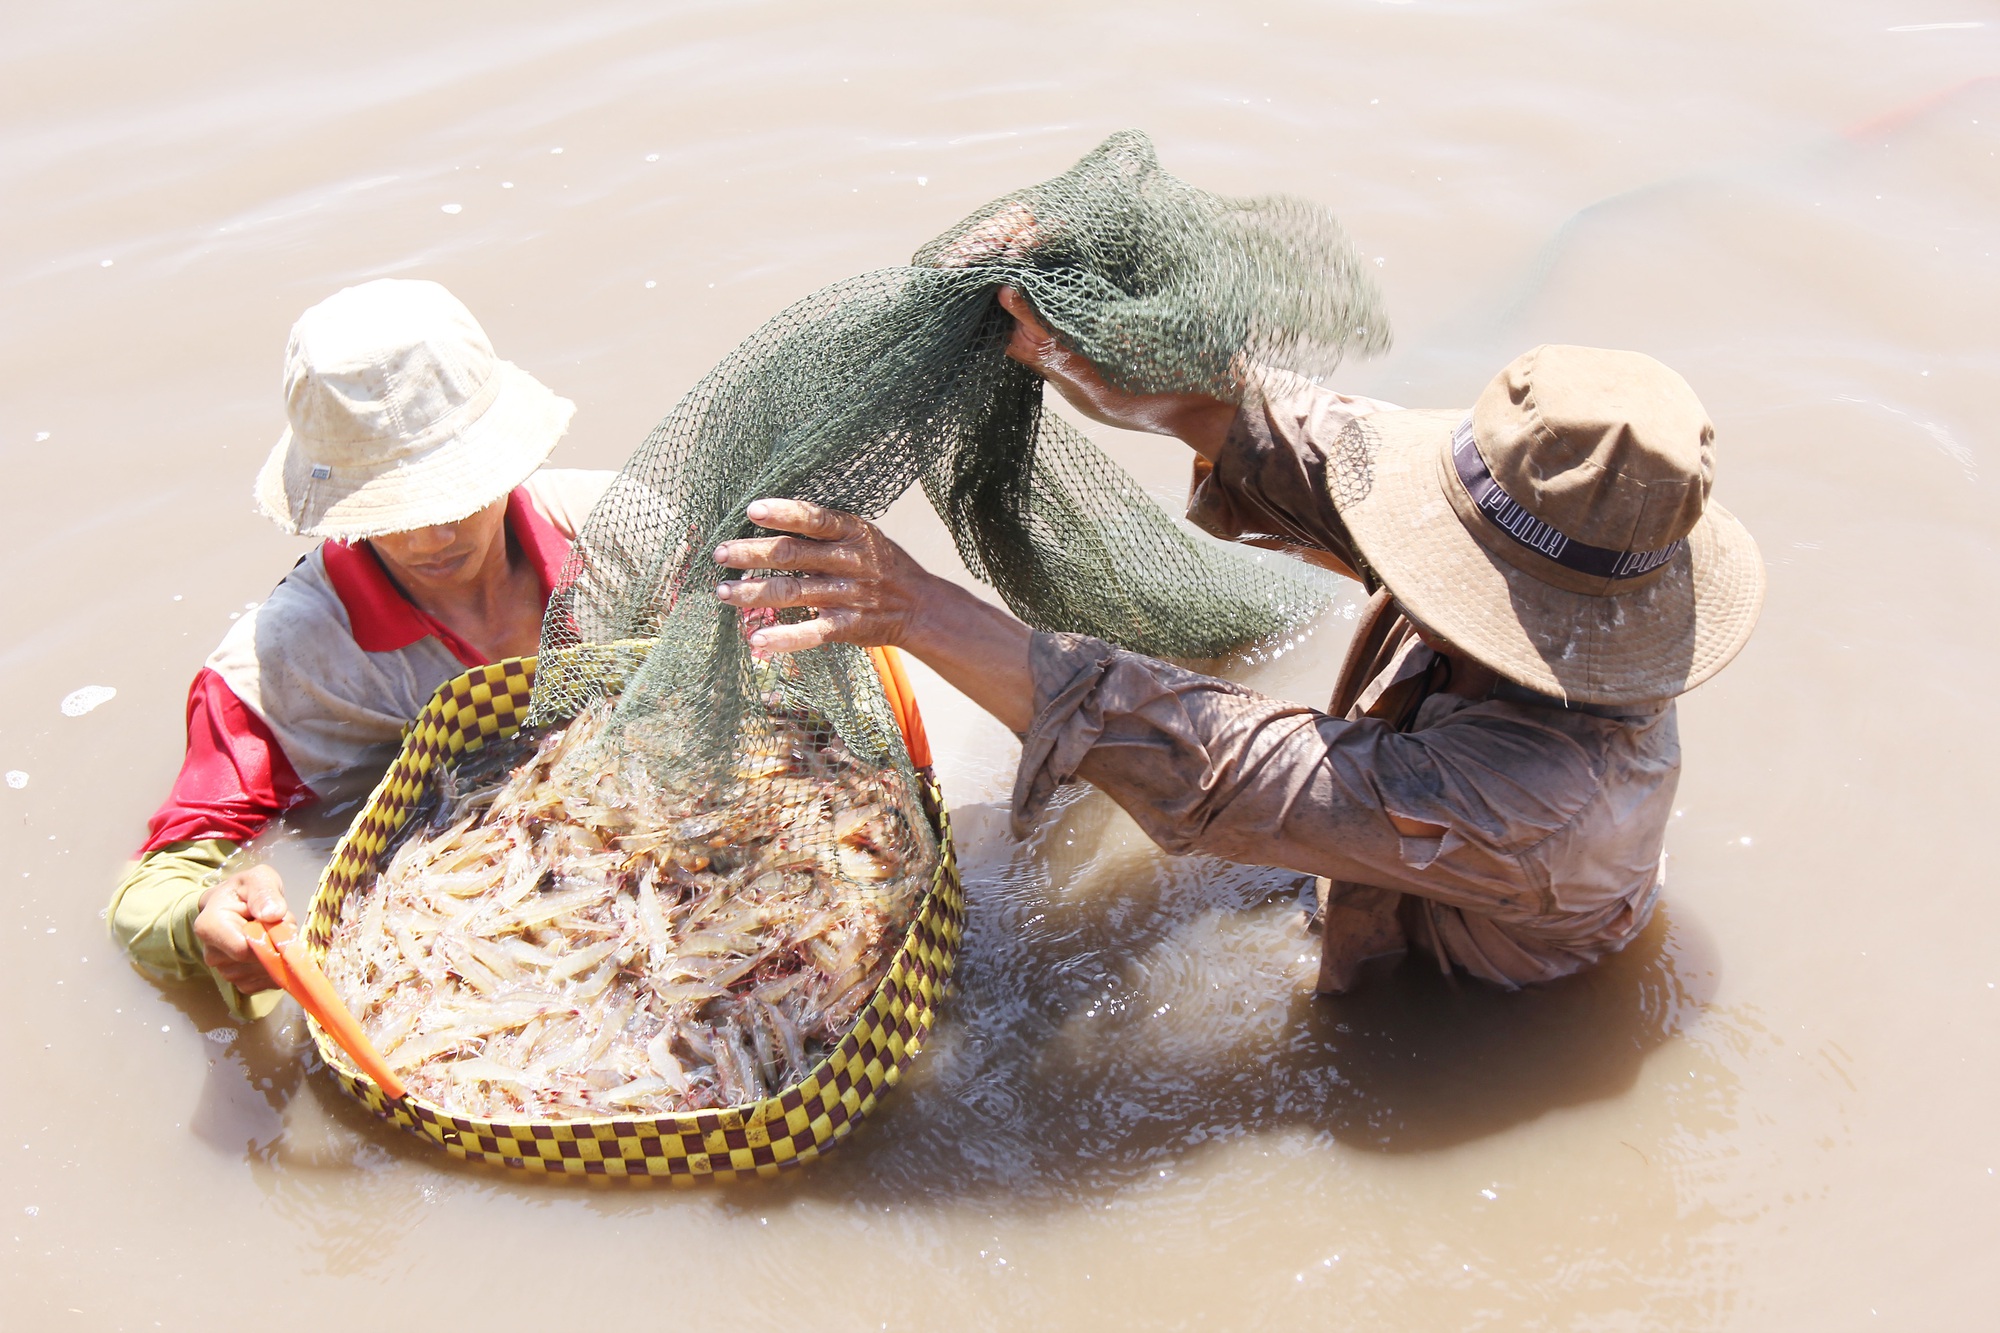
(1561, 532)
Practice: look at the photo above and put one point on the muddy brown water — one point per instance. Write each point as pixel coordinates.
(1775, 1111)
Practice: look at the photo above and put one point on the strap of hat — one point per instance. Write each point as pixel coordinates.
(1506, 513)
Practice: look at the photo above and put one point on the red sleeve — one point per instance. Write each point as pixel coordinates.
(235, 777)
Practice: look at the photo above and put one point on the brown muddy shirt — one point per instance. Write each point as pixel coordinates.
(1553, 817)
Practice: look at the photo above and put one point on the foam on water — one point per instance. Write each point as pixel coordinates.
(78, 702)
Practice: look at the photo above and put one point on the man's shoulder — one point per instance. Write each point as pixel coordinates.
(1564, 755)
(1549, 723)
(566, 495)
(295, 662)
(1323, 410)
(303, 608)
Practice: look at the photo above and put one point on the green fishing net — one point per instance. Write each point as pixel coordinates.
(898, 378)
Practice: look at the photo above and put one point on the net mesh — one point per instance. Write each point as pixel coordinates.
(899, 378)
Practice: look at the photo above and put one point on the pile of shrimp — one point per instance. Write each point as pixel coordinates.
(577, 941)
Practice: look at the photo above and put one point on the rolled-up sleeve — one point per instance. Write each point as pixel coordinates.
(1268, 484)
(1205, 765)
(153, 911)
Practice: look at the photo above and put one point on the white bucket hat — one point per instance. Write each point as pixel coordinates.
(401, 416)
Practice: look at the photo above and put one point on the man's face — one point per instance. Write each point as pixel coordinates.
(448, 557)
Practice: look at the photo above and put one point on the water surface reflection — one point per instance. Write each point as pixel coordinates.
(1120, 1022)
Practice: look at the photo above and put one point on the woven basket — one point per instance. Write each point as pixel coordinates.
(794, 1125)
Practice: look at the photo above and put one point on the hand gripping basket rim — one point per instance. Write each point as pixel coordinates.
(793, 1125)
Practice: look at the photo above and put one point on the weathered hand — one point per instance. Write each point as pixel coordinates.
(1008, 235)
(865, 589)
(1200, 420)
(258, 894)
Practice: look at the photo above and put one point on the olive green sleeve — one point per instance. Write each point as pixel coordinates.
(152, 915)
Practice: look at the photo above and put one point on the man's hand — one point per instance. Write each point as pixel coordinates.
(1201, 421)
(865, 588)
(1008, 236)
(226, 907)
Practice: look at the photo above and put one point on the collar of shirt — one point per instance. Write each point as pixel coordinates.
(383, 620)
(1413, 658)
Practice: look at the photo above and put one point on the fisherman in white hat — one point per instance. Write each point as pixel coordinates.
(1491, 784)
(417, 455)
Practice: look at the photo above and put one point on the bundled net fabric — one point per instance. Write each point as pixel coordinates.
(687, 893)
(898, 378)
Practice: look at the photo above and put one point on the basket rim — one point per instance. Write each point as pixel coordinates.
(823, 1074)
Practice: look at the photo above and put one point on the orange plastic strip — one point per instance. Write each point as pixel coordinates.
(903, 700)
(284, 956)
(268, 955)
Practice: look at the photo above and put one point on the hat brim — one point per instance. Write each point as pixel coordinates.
(1653, 642)
(464, 473)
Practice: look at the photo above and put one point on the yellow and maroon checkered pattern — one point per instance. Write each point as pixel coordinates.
(795, 1125)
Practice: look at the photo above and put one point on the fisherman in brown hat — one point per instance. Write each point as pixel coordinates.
(1492, 783)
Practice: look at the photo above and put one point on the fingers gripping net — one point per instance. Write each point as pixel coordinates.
(1167, 288)
(898, 378)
